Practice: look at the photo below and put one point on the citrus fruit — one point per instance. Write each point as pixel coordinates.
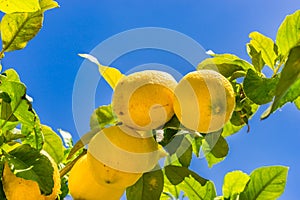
(119, 155)
(17, 188)
(144, 100)
(204, 101)
(82, 185)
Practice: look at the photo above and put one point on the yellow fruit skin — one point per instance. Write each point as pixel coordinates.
(119, 155)
(144, 100)
(82, 185)
(16, 188)
(204, 101)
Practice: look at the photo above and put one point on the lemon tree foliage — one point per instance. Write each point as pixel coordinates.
(23, 137)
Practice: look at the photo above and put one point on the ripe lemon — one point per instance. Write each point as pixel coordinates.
(144, 100)
(119, 155)
(16, 188)
(82, 185)
(204, 101)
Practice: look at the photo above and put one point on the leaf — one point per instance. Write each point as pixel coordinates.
(110, 74)
(26, 162)
(102, 116)
(185, 157)
(194, 190)
(234, 183)
(288, 34)
(230, 129)
(266, 183)
(196, 145)
(169, 190)
(265, 46)
(226, 64)
(148, 187)
(297, 103)
(48, 4)
(12, 6)
(177, 174)
(53, 144)
(67, 138)
(18, 28)
(33, 135)
(258, 89)
(256, 57)
(290, 75)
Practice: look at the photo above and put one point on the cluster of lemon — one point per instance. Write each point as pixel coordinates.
(118, 155)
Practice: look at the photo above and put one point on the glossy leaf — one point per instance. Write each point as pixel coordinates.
(18, 28)
(256, 57)
(285, 90)
(102, 116)
(29, 164)
(169, 190)
(48, 4)
(230, 129)
(148, 187)
(297, 103)
(265, 46)
(288, 34)
(194, 190)
(53, 144)
(12, 6)
(266, 183)
(234, 184)
(258, 89)
(110, 74)
(226, 64)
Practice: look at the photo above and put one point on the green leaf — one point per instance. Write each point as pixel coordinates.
(234, 183)
(258, 89)
(110, 74)
(226, 64)
(288, 34)
(195, 190)
(265, 46)
(196, 145)
(177, 174)
(266, 183)
(230, 129)
(215, 144)
(256, 57)
(53, 144)
(33, 135)
(102, 116)
(48, 4)
(297, 103)
(12, 6)
(148, 187)
(186, 157)
(169, 190)
(28, 163)
(18, 28)
(285, 90)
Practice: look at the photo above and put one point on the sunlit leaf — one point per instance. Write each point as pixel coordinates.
(185, 157)
(169, 190)
(226, 64)
(12, 6)
(195, 190)
(148, 187)
(29, 164)
(258, 89)
(110, 74)
(102, 116)
(266, 183)
(230, 129)
(234, 183)
(297, 102)
(18, 28)
(53, 144)
(48, 4)
(256, 57)
(288, 34)
(288, 79)
(265, 46)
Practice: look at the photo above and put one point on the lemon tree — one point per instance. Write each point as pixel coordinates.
(36, 163)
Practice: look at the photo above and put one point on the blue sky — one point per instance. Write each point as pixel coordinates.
(49, 64)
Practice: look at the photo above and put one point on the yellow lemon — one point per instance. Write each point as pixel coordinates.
(82, 185)
(16, 188)
(204, 101)
(119, 155)
(144, 100)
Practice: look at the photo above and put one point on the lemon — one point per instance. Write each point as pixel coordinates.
(119, 155)
(17, 188)
(144, 100)
(204, 101)
(82, 185)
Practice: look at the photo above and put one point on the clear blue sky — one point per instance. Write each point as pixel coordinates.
(48, 66)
